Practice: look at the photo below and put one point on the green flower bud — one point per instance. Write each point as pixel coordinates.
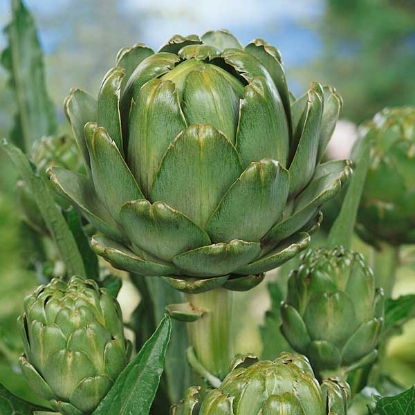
(333, 313)
(284, 386)
(201, 166)
(48, 152)
(387, 208)
(74, 344)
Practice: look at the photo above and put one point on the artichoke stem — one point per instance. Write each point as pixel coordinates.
(385, 262)
(211, 336)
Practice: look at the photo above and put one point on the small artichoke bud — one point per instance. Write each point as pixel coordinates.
(48, 152)
(333, 313)
(60, 150)
(387, 208)
(74, 345)
(284, 386)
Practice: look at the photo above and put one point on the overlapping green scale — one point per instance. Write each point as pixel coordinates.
(206, 131)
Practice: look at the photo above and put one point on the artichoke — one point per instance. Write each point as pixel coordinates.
(202, 167)
(74, 344)
(333, 313)
(47, 152)
(387, 208)
(284, 386)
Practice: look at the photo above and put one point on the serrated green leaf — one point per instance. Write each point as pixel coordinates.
(12, 405)
(402, 404)
(398, 311)
(177, 372)
(51, 213)
(134, 390)
(24, 60)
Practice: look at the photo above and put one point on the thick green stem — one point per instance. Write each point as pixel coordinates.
(211, 336)
(385, 264)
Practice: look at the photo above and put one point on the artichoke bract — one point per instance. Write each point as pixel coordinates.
(387, 209)
(74, 345)
(284, 386)
(201, 165)
(333, 313)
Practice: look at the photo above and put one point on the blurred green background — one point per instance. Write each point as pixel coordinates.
(365, 48)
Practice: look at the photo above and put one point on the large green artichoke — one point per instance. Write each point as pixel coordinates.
(74, 344)
(333, 313)
(285, 386)
(201, 165)
(387, 208)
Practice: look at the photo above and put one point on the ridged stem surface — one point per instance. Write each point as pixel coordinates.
(211, 336)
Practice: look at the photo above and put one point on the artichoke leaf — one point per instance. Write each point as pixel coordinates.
(109, 115)
(161, 230)
(243, 283)
(188, 404)
(80, 108)
(199, 52)
(121, 257)
(196, 171)
(294, 328)
(195, 285)
(209, 98)
(286, 404)
(324, 354)
(222, 39)
(89, 392)
(262, 128)
(218, 259)
(178, 42)
(323, 313)
(248, 67)
(298, 115)
(129, 59)
(217, 403)
(332, 104)
(76, 365)
(304, 162)
(113, 180)
(331, 167)
(362, 340)
(184, 312)
(155, 120)
(308, 202)
(270, 58)
(251, 398)
(65, 408)
(278, 256)
(328, 178)
(263, 190)
(361, 284)
(44, 332)
(152, 67)
(35, 380)
(79, 190)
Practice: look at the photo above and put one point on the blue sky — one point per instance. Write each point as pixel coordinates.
(281, 22)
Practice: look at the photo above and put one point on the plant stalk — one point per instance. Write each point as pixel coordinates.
(211, 336)
(385, 262)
